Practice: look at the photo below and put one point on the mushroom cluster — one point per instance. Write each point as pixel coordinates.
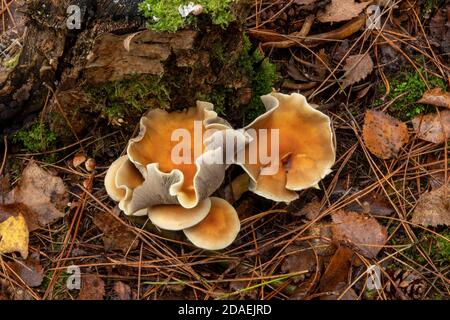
(177, 194)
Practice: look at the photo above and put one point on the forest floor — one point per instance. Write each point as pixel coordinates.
(376, 229)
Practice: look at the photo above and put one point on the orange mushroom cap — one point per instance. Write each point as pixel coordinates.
(152, 152)
(218, 230)
(306, 147)
(175, 217)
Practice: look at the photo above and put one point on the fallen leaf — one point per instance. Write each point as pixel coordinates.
(299, 259)
(10, 291)
(42, 192)
(356, 68)
(433, 127)
(116, 236)
(320, 233)
(440, 28)
(363, 232)
(92, 287)
(342, 10)
(436, 170)
(122, 291)
(304, 2)
(336, 275)
(29, 271)
(374, 203)
(436, 97)
(433, 208)
(311, 210)
(303, 289)
(384, 135)
(14, 234)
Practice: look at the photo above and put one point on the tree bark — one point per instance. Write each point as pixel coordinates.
(57, 64)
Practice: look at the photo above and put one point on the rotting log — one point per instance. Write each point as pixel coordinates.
(57, 64)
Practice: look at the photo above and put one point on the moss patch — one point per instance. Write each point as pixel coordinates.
(38, 138)
(262, 74)
(164, 15)
(130, 96)
(406, 90)
(254, 70)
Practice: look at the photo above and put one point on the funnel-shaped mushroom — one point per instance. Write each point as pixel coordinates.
(218, 230)
(173, 154)
(305, 149)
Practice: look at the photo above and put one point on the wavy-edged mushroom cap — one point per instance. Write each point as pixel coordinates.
(175, 217)
(306, 147)
(163, 135)
(113, 191)
(218, 230)
(121, 179)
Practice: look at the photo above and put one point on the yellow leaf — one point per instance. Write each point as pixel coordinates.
(14, 235)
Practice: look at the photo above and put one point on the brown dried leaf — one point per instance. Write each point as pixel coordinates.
(342, 10)
(436, 170)
(356, 68)
(117, 236)
(436, 97)
(335, 277)
(363, 232)
(14, 233)
(384, 135)
(122, 291)
(92, 287)
(440, 28)
(320, 233)
(299, 259)
(29, 271)
(43, 193)
(373, 203)
(311, 210)
(433, 127)
(433, 208)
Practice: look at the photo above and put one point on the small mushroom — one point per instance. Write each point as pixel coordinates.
(153, 177)
(218, 230)
(306, 148)
(175, 217)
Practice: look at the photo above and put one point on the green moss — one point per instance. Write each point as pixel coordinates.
(406, 90)
(163, 15)
(440, 252)
(262, 74)
(218, 97)
(438, 249)
(38, 138)
(218, 53)
(430, 5)
(118, 99)
(12, 62)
